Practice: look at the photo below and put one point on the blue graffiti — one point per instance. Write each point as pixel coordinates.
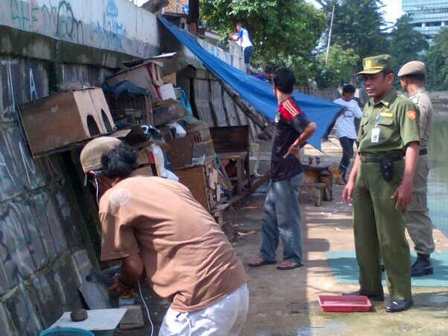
(111, 32)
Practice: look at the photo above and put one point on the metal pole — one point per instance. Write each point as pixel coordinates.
(329, 36)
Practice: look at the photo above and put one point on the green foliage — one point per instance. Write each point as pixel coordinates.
(284, 32)
(405, 42)
(339, 67)
(437, 63)
(359, 25)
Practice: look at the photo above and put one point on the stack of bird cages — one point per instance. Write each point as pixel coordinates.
(202, 140)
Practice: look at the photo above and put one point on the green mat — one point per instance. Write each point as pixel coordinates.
(344, 267)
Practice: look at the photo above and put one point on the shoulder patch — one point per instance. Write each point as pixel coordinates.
(411, 115)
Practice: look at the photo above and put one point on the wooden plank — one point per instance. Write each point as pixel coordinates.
(260, 182)
(180, 152)
(231, 112)
(194, 179)
(232, 156)
(230, 139)
(216, 103)
(240, 175)
(201, 97)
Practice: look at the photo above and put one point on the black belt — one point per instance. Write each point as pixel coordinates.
(423, 151)
(377, 159)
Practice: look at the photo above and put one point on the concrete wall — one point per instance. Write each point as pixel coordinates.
(116, 25)
(45, 246)
(43, 249)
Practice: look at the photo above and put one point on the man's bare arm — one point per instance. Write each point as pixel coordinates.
(304, 136)
(347, 194)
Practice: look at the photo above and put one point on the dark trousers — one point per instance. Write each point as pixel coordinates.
(247, 54)
(347, 154)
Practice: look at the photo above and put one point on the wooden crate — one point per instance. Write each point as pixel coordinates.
(203, 183)
(59, 121)
(233, 147)
(137, 110)
(230, 139)
(180, 152)
(202, 140)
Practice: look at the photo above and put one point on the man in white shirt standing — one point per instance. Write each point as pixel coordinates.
(346, 130)
(243, 38)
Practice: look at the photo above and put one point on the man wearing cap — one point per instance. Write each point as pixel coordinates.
(380, 186)
(155, 227)
(419, 225)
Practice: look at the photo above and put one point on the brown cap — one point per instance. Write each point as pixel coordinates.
(412, 68)
(92, 152)
(376, 64)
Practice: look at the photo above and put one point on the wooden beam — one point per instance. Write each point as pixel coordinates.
(260, 181)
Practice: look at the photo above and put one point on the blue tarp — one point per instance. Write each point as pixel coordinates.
(257, 93)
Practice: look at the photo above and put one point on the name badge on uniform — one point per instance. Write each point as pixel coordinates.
(375, 135)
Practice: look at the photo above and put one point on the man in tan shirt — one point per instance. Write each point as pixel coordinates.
(419, 225)
(155, 226)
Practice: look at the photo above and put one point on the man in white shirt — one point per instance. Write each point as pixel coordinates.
(346, 130)
(243, 38)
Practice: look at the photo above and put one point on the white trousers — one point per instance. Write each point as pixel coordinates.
(224, 318)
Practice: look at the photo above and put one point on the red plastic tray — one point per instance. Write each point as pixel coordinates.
(344, 303)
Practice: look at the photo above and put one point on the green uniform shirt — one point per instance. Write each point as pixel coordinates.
(397, 120)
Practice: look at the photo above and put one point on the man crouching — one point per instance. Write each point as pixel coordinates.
(155, 225)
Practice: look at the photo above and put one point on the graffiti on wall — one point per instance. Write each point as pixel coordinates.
(103, 24)
(110, 31)
(30, 225)
(38, 223)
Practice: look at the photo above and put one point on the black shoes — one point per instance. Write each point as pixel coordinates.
(422, 266)
(392, 306)
(395, 306)
(373, 297)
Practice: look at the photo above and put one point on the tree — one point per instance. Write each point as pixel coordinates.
(359, 25)
(284, 32)
(339, 67)
(405, 42)
(437, 62)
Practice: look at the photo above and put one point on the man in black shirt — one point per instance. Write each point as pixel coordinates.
(281, 217)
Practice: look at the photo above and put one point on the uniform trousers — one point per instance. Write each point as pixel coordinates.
(418, 222)
(380, 232)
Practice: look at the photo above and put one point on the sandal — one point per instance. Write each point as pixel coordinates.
(288, 265)
(341, 181)
(260, 262)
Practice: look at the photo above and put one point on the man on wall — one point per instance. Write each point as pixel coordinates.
(242, 36)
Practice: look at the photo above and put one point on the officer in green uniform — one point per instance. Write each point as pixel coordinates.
(380, 185)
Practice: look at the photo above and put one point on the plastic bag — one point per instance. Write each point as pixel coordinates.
(160, 163)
